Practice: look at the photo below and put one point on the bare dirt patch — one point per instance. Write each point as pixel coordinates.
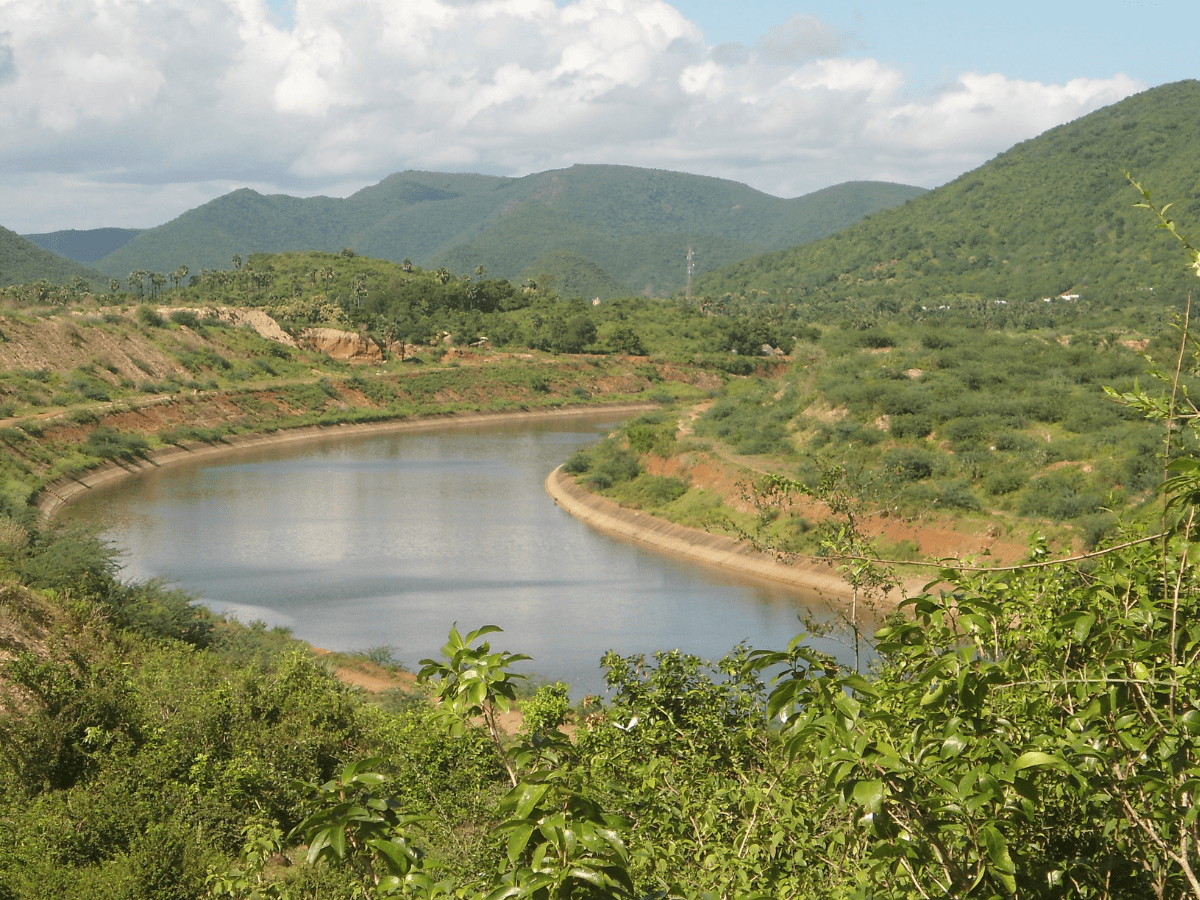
(370, 676)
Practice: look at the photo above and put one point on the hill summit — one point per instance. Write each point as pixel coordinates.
(1051, 216)
(629, 229)
(22, 261)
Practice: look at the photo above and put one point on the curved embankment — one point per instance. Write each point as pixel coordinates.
(55, 496)
(710, 549)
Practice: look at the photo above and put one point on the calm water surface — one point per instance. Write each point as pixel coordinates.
(387, 540)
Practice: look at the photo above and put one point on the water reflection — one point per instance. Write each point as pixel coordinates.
(386, 540)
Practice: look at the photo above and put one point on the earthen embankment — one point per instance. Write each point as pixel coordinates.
(709, 549)
(56, 495)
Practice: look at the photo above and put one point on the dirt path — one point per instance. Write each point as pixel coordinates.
(375, 679)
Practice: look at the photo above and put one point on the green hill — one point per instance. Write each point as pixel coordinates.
(86, 246)
(1050, 216)
(635, 224)
(22, 262)
(573, 275)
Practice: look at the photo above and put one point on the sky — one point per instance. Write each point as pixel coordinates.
(130, 112)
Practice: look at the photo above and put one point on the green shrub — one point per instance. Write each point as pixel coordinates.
(910, 426)
(1005, 480)
(613, 467)
(105, 443)
(651, 491)
(149, 316)
(545, 710)
(910, 465)
(202, 358)
(1013, 442)
(156, 611)
(1095, 528)
(958, 495)
(1062, 494)
(578, 463)
(649, 437)
(851, 432)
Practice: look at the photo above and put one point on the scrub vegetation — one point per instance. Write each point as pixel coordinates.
(600, 230)
(1046, 218)
(1028, 729)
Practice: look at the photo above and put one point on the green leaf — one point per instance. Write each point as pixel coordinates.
(480, 632)
(518, 838)
(528, 795)
(337, 841)
(504, 892)
(849, 708)
(1032, 759)
(1003, 865)
(869, 795)
(318, 843)
(935, 695)
(953, 746)
(399, 856)
(591, 876)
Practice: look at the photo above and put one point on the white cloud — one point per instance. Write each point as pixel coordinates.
(980, 110)
(105, 106)
(801, 38)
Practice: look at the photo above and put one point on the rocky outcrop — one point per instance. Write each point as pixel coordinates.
(254, 318)
(404, 351)
(346, 346)
(260, 322)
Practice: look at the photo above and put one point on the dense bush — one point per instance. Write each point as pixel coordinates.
(910, 465)
(105, 443)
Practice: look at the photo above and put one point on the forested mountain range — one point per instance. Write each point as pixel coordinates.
(603, 229)
(22, 261)
(85, 246)
(1052, 215)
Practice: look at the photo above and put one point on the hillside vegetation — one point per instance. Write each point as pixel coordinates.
(92, 387)
(1050, 216)
(84, 246)
(404, 304)
(633, 224)
(22, 262)
(1023, 730)
(149, 750)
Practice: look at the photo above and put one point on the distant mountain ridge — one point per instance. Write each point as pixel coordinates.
(22, 261)
(84, 246)
(1052, 215)
(632, 227)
